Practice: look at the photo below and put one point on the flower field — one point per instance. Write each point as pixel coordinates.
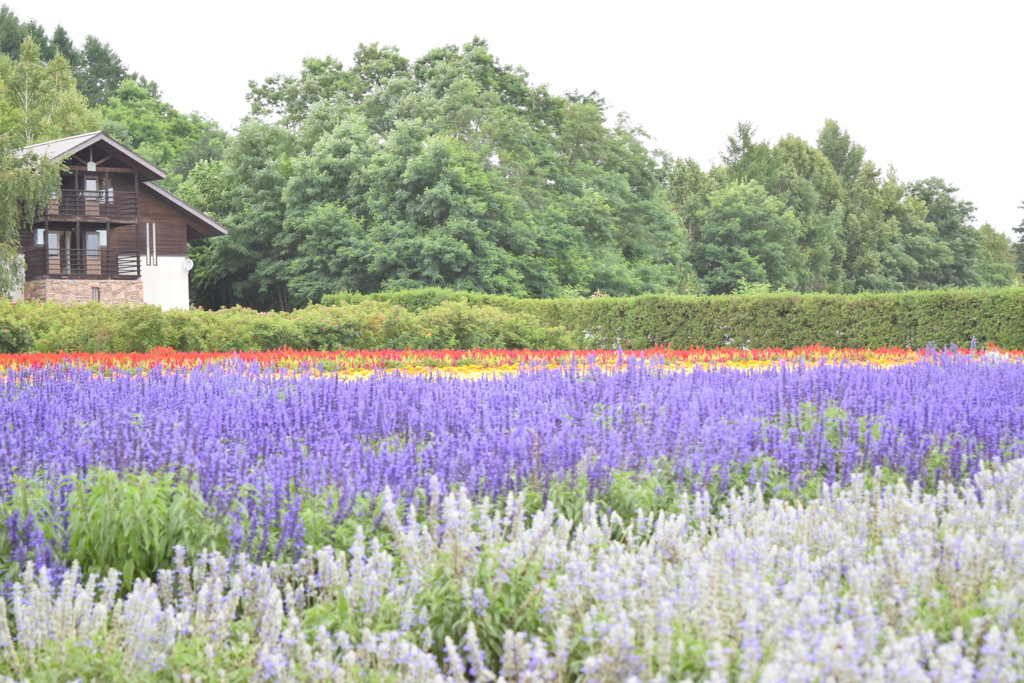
(505, 359)
(708, 514)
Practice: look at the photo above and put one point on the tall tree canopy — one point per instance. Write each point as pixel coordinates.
(455, 170)
(124, 104)
(854, 227)
(26, 183)
(449, 170)
(39, 101)
(135, 116)
(97, 69)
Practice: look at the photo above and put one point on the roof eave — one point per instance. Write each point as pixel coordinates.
(215, 229)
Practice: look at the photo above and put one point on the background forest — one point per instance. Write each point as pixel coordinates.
(455, 170)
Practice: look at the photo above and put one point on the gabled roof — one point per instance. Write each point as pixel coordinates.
(65, 147)
(207, 224)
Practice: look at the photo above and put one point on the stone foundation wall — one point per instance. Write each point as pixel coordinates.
(81, 291)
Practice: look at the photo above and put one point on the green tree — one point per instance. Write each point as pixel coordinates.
(26, 183)
(803, 179)
(747, 236)
(248, 266)
(745, 158)
(866, 231)
(845, 155)
(997, 260)
(13, 33)
(291, 99)
(100, 71)
(689, 189)
(61, 44)
(1019, 244)
(913, 256)
(329, 243)
(452, 170)
(39, 101)
(207, 188)
(438, 219)
(173, 141)
(953, 219)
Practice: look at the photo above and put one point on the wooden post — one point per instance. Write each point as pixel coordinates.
(79, 208)
(101, 252)
(138, 260)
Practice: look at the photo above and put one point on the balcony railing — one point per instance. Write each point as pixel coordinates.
(97, 264)
(94, 204)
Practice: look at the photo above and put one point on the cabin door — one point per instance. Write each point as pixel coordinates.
(92, 253)
(94, 195)
(58, 252)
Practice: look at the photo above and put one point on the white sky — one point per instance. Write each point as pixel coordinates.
(934, 88)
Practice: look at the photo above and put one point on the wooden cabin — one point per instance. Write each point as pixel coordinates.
(110, 234)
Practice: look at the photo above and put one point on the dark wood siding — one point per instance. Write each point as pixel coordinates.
(122, 182)
(122, 238)
(171, 231)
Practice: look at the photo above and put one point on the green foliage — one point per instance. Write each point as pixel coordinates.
(828, 220)
(134, 329)
(250, 269)
(450, 171)
(952, 218)
(15, 337)
(368, 325)
(757, 320)
(130, 522)
(39, 101)
(746, 235)
(97, 69)
(100, 71)
(439, 319)
(744, 287)
(157, 131)
(458, 325)
(25, 188)
(1018, 247)
(90, 327)
(997, 259)
(13, 33)
(416, 300)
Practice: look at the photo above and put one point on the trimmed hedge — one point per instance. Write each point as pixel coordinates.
(438, 319)
(902, 319)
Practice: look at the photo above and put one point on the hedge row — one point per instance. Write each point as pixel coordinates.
(49, 327)
(913, 319)
(436, 319)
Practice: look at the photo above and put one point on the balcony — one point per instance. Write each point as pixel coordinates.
(97, 206)
(88, 264)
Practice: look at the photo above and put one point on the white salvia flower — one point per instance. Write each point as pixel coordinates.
(146, 631)
(6, 642)
(843, 588)
(456, 668)
(475, 654)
